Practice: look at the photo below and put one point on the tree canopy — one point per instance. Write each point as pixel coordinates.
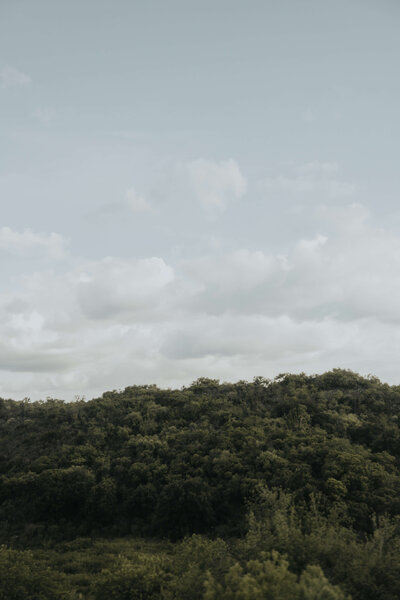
(293, 484)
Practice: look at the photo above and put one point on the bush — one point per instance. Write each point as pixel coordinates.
(23, 578)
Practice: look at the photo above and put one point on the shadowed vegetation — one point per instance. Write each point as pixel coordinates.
(271, 489)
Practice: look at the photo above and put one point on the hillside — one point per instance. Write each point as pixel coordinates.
(293, 482)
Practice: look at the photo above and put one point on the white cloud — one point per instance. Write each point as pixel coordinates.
(249, 335)
(213, 184)
(348, 273)
(132, 203)
(308, 116)
(332, 300)
(315, 178)
(23, 243)
(45, 114)
(230, 273)
(317, 168)
(114, 286)
(137, 203)
(10, 77)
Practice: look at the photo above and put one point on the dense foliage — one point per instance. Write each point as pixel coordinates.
(271, 489)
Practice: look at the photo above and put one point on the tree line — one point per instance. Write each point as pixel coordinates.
(284, 488)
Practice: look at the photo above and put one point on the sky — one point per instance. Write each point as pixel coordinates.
(197, 189)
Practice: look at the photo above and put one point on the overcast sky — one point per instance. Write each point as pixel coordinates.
(197, 188)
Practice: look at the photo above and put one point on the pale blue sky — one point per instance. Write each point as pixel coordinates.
(197, 188)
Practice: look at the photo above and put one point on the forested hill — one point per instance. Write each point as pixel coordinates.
(173, 462)
(270, 463)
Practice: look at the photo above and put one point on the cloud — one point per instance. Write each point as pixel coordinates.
(251, 335)
(308, 116)
(315, 178)
(132, 203)
(137, 203)
(239, 270)
(25, 242)
(317, 168)
(28, 341)
(213, 184)
(346, 272)
(114, 286)
(180, 191)
(45, 114)
(10, 77)
(332, 299)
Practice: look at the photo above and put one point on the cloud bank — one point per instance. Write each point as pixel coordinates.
(89, 325)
